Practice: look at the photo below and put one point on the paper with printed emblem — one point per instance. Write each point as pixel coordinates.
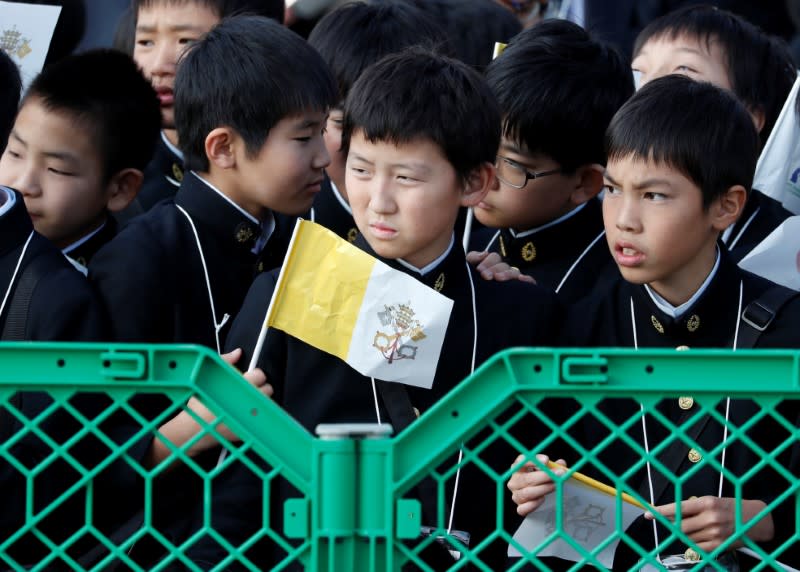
(778, 169)
(589, 518)
(25, 34)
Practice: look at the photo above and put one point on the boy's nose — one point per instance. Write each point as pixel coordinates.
(322, 158)
(381, 199)
(165, 59)
(27, 183)
(626, 217)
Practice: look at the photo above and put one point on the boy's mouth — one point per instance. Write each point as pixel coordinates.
(166, 96)
(626, 254)
(380, 230)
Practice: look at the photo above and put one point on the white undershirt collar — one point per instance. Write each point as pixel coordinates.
(677, 312)
(177, 152)
(7, 200)
(428, 267)
(83, 240)
(267, 227)
(559, 220)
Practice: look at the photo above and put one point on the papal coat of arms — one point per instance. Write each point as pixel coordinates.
(400, 329)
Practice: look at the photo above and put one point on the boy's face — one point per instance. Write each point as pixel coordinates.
(53, 161)
(405, 198)
(540, 201)
(700, 60)
(657, 229)
(286, 173)
(333, 142)
(163, 32)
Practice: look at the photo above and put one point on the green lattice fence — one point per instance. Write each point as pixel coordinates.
(76, 420)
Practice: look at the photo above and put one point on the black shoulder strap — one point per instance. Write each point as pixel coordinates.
(17, 318)
(759, 314)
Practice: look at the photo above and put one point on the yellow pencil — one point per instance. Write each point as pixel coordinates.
(595, 484)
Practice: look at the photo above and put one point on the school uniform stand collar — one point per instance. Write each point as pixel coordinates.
(79, 253)
(709, 321)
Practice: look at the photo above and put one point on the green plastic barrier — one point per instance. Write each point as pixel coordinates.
(357, 504)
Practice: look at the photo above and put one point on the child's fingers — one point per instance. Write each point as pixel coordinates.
(256, 377)
(476, 257)
(233, 356)
(266, 389)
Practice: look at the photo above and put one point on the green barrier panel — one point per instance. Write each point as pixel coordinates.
(356, 499)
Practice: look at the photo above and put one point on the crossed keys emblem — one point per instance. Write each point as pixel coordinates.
(402, 328)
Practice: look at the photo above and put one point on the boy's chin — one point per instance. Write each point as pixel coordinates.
(637, 276)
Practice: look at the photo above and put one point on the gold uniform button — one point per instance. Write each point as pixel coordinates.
(694, 455)
(261, 267)
(656, 324)
(685, 403)
(244, 233)
(691, 555)
(528, 252)
(352, 234)
(177, 172)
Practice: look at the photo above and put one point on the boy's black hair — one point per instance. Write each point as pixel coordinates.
(418, 94)
(225, 8)
(472, 26)
(104, 91)
(558, 89)
(760, 67)
(247, 73)
(355, 36)
(694, 127)
(10, 88)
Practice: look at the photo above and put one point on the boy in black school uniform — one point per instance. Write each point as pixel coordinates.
(350, 39)
(717, 46)
(163, 31)
(558, 89)
(251, 130)
(83, 135)
(420, 132)
(681, 158)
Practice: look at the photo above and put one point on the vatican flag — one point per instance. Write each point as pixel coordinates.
(339, 299)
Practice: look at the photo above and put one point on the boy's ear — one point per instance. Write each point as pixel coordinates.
(589, 182)
(727, 208)
(479, 182)
(221, 147)
(123, 188)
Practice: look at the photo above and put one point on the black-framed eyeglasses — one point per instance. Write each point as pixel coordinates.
(515, 175)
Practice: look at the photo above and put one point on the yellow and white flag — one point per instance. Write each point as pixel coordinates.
(339, 299)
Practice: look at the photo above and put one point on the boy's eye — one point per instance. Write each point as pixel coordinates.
(186, 41)
(60, 172)
(145, 43)
(610, 189)
(685, 69)
(652, 196)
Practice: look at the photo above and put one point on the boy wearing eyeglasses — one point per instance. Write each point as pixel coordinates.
(558, 89)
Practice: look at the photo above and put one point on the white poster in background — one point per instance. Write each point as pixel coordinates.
(778, 169)
(589, 518)
(777, 258)
(25, 34)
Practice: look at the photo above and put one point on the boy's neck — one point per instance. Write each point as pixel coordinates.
(171, 135)
(683, 284)
(91, 230)
(519, 233)
(433, 263)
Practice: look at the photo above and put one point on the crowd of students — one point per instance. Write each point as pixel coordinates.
(170, 182)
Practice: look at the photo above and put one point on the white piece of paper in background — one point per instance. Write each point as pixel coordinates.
(777, 258)
(26, 31)
(778, 168)
(589, 519)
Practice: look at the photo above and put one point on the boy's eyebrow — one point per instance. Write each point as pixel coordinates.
(512, 147)
(309, 122)
(62, 156)
(149, 28)
(16, 136)
(640, 184)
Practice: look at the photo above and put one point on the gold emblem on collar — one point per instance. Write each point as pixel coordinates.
(244, 233)
(693, 323)
(656, 324)
(528, 252)
(439, 284)
(177, 172)
(352, 234)
(502, 246)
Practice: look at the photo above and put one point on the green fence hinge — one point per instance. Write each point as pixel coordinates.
(295, 518)
(409, 519)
